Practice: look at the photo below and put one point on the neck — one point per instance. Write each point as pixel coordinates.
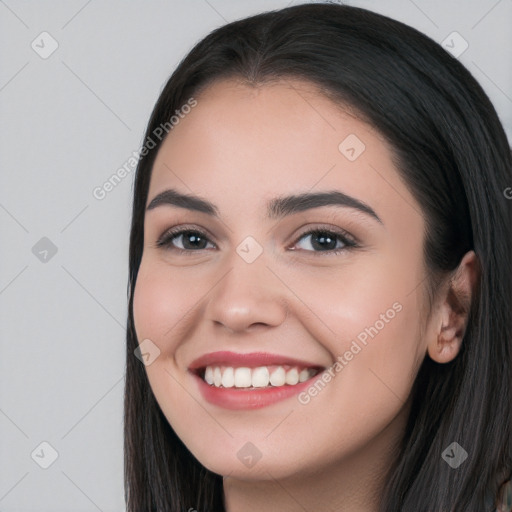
(354, 484)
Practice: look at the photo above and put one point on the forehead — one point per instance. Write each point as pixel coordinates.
(242, 144)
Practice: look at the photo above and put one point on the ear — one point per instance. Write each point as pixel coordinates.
(453, 312)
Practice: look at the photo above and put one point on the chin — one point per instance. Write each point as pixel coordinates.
(241, 467)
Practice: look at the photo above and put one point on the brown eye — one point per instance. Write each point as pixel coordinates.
(322, 240)
(184, 240)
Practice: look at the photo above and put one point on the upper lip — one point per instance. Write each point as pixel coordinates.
(249, 359)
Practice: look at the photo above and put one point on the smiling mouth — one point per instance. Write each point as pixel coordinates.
(251, 380)
(247, 378)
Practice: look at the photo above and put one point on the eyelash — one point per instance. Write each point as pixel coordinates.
(165, 241)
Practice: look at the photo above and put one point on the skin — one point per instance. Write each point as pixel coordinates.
(238, 148)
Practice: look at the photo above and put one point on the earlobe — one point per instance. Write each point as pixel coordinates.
(453, 314)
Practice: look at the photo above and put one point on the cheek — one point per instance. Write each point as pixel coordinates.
(150, 305)
(358, 299)
(368, 314)
(161, 300)
(374, 338)
(160, 308)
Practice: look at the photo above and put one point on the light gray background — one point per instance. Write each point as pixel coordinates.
(68, 123)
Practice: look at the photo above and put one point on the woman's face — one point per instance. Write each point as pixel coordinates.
(306, 314)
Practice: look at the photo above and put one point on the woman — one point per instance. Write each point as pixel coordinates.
(320, 276)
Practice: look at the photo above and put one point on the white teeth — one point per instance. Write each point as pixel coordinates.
(292, 376)
(260, 377)
(303, 375)
(243, 378)
(278, 377)
(217, 377)
(228, 378)
(208, 375)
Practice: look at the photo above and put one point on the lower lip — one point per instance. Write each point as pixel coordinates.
(236, 398)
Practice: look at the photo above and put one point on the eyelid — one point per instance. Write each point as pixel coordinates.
(342, 233)
(165, 239)
(348, 240)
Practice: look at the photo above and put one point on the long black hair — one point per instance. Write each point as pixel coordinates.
(452, 152)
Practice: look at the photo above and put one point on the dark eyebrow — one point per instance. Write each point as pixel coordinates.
(276, 208)
(282, 206)
(174, 198)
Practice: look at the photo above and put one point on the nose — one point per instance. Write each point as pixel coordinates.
(248, 297)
